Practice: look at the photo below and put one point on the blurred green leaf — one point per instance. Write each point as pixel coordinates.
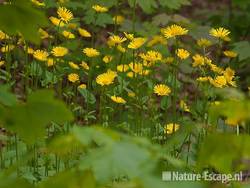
(29, 120)
(6, 97)
(22, 17)
(88, 96)
(242, 48)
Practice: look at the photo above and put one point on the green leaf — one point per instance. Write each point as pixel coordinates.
(103, 19)
(22, 17)
(88, 96)
(146, 5)
(6, 97)
(243, 49)
(29, 120)
(174, 4)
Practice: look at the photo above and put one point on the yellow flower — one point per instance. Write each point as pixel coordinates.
(173, 31)
(122, 68)
(115, 39)
(84, 65)
(151, 56)
(184, 106)
(182, 53)
(44, 34)
(131, 94)
(68, 35)
(84, 32)
(30, 50)
(82, 86)
(91, 52)
(2, 63)
(38, 3)
(136, 43)
(203, 79)
(216, 69)
(136, 67)
(229, 75)
(118, 19)
(73, 65)
(99, 8)
(157, 39)
(7, 48)
(50, 62)
(121, 49)
(129, 36)
(171, 128)
(119, 100)
(232, 121)
(204, 43)
(107, 58)
(59, 51)
(162, 90)
(64, 14)
(130, 74)
(73, 77)
(198, 60)
(106, 78)
(230, 54)
(3, 35)
(40, 55)
(56, 21)
(219, 81)
(220, 33)
(168, 60)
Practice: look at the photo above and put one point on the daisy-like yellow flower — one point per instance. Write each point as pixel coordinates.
(168, 60)
(106, 78)
(59, 51)
(220, 33)
(203, 79)
(129, 36)
(151, 56)
(7, 48)
(107, 58)
(44, 34)
(84, 32)
(121, 49)
(122, 68)
(184, 106)
(182, 53)
(38, 3)
(119, 100)
(115, 40)
(229, 75)
(3, 35)
(136, 67)
(73, 65)
(99, 8)
(198, 60)
(157, 39)
(215, 68)
(118, 19)
(82, 86)
(64, 14)
(73, 77)
(50, 62)
(30, 50)
(2, 63)
(162, 90)
(40, 55)
(56, 21)
(136, 43)
(84, 65)
(204, 43)
(68, 34)
(91, 52)
(171, 128)
(174, 31)
(230, 54)
(131, 94)
(218, 81)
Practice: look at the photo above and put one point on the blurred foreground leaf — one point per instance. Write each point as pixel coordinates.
(29, 120)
